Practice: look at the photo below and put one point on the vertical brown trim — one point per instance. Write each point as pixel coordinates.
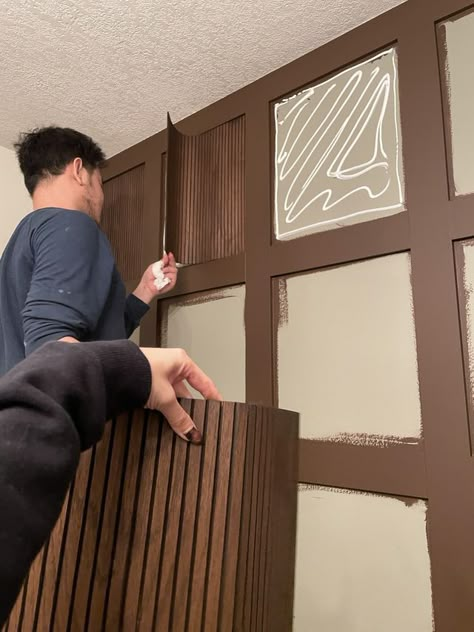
(450, 515)
(446, 107)
(258, 291)
(152, 228)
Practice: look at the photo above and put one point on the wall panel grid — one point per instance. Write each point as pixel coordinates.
(380, 359)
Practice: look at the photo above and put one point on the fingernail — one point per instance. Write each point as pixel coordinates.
(194, 436)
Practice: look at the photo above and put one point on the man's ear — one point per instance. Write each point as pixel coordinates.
(78, 171)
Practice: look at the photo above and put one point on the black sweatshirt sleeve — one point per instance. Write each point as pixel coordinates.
(135, 309)
(53, 405)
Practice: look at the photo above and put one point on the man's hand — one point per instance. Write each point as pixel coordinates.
(147, 290)
(169, 369)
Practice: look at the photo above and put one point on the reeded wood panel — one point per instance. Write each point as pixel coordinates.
(122, 220)
(160, 535)
(205, 193)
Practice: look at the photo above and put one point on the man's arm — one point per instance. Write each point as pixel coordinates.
(147, 290)
(71, 280)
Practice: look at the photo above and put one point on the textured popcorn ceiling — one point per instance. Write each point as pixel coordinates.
(113, 68)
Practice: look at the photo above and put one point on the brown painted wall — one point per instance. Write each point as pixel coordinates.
(436, 466)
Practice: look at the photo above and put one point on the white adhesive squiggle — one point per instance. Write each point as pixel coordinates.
(291, 160)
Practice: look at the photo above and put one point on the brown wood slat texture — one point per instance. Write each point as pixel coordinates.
(157, 534)
(205, 193)
(122, 220)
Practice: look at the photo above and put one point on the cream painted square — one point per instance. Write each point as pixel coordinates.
(338, 156)
(468, 284)
(347, 350)
(362, 564)
(211, 330)
(135, 337)
(459, 37)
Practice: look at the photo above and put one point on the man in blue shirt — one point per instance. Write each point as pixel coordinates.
(58, 278)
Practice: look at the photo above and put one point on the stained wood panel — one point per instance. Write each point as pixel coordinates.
(157, 534)
(123, 218)
(205, 193)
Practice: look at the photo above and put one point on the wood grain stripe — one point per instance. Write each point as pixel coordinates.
(205, 193)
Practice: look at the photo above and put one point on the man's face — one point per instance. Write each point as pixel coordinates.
(94, 194)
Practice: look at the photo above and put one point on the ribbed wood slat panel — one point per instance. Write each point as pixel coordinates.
(205, 193)
(158, 535)
(122, 220)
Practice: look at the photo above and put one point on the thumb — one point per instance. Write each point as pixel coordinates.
(179, 420)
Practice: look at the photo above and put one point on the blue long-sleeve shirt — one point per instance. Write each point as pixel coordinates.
(58, 278)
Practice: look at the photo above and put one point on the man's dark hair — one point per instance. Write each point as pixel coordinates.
(46, 151)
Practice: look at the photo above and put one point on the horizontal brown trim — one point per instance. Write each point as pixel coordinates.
(352, 243)
(445, 9)
(397, 469)
(209, 276)
(461, 215)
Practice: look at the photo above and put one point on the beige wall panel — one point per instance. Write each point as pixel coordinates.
(362, 564)
(459, 40)
(346, 340)
(211, 330)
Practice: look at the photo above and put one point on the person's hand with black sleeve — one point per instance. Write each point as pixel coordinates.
(53, 405)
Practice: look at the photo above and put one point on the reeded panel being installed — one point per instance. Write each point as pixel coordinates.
(338, 158)
(210, 327)
(205, 193)
(362, 563)
(346, 340)
(457, 51)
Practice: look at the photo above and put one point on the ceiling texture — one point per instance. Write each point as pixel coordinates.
(114, 68)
